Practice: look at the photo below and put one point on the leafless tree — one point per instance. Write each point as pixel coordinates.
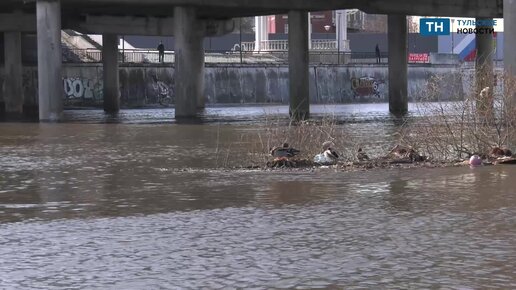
(413, 25)
(378, 23)
(247, 24)
(375, 23)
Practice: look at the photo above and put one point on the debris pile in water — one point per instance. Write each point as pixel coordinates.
(399, 156)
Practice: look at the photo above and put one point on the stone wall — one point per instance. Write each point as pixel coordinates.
(147, 85)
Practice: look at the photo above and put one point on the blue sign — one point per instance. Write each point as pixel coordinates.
(434, 26)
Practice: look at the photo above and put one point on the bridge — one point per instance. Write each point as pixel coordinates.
(189, 21)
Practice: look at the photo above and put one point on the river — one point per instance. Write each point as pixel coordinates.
(136, 201)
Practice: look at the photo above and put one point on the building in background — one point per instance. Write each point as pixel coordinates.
(357, 21)
(322, 22)
(318, 21)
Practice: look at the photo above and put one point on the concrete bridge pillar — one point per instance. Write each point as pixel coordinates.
(484, 64)
(189, 66)
(509, 36)
(50, 83)
(110, 67)
(398, 58)
(298, 65)
(13, 85)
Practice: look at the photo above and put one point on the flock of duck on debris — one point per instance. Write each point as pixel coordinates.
(283, 156)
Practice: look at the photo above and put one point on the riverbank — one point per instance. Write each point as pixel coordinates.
(365, 166)
(352, 166)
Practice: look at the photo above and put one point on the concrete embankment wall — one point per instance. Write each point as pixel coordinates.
(144, 85)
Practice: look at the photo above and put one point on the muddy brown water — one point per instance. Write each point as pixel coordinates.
(104, 203)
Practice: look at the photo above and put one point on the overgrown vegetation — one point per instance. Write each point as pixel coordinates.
(484, 119)
(308, 136)
(443, 131)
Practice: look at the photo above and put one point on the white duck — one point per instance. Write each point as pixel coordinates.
(328, 156)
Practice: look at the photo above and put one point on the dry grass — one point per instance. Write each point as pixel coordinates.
(451, 130)
(307, 136)
(443, 131)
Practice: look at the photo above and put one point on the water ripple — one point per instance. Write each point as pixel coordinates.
(139, 205)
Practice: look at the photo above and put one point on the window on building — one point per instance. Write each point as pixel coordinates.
(286, 29)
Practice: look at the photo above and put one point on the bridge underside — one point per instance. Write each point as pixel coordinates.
(190, 21)
(218, 9)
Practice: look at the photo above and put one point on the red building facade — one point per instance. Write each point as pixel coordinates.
(279, 23)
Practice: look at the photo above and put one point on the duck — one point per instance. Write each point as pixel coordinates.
(328, 156)
(399, 151)
(484, 93)
(497, 152)
(284, 152)
(405, 152)
(361, 155)
(328, 149)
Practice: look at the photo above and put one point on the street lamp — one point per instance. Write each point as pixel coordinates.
(327, 28)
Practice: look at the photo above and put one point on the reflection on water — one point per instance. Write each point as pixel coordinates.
(109, 206)
(355, 113)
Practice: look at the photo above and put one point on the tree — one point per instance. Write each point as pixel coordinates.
(378, 23)
(375, 23)
(247, 24)
(413, 25)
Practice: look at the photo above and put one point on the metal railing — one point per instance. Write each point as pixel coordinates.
(320, 44)
(127, 55)
(320, 56)
(282, 45)
(88, 54)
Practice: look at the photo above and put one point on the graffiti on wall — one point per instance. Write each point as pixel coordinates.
(159, 92)
(143, 90)
(162, 93)
(366, 86)
(83, 89)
